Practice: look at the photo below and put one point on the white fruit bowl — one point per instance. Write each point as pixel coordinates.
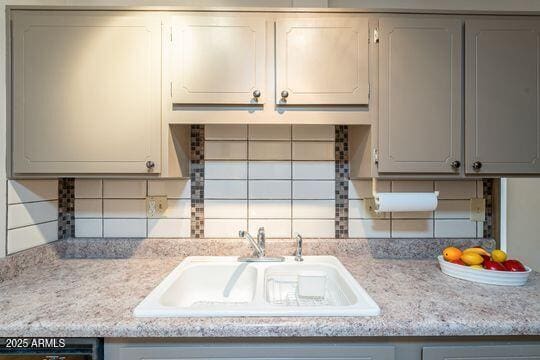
(493, 277)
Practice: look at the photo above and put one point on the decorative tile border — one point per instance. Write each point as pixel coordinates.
(342, 181)
(487, 189)
(197, 181)
(66, 208)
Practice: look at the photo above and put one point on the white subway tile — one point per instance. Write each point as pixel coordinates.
(88, 208)
(121, 189)
(124, 208)
(169, 228)
(88, 228)
(88, 188)
(453, 209)
(412, 215)
(230, 170)
(480, 229)
(358, 210)
(20, 191)
(457, 189)
(314, 228)
(173, 189)
(31, 213)
(225, 209)
(270, 170)
(269, 209)
(225, 132)
(273, 228)
(313, 132)
(314, 190)
(269, 150)
(455, 228)
(29, 236)
(270, 189)
(316, 150)
(223, 228)
(314, 170)
(362, 189)
(479, 188)
(314, 209)
(178, 209)
(225, 150)
(225, 189)
(412, 228)
(369, 228)
(129, 228)
(412, 186)
(270, 132)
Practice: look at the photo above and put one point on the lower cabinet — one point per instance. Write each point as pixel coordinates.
(248, 351)
(376, 348)
(499, 352)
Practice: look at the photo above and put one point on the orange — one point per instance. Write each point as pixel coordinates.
(451, 254)
(471, 258)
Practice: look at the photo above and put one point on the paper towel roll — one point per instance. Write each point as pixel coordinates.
(387, 202)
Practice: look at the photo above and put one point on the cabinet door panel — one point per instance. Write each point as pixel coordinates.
(218, 60)
(502, 96)
(86, 91)
(420, 95)
(322, 61)
(499, 352)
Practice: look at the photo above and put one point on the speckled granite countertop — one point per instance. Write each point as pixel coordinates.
(96, 297)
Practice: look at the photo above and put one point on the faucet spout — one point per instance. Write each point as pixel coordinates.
(258, 250)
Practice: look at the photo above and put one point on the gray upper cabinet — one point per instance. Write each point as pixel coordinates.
(86, 92)
(420, 109)
(502, 96)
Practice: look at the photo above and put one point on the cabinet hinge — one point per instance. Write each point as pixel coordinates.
(369, 91)
(376, 36)
(171, 34)
(171, 87)
(376, 157)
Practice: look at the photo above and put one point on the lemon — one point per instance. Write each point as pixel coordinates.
(498, 256)
(477, 267)
(471, 258)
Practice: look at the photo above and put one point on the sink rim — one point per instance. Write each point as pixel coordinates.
(151, 305)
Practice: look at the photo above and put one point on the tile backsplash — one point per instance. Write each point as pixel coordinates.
(286, 178)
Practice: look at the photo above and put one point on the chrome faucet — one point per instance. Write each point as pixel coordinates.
(259, 248)
(299, 241)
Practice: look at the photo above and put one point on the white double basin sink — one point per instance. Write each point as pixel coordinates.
(219, 286)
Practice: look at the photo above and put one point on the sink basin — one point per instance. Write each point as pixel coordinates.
(221, 286)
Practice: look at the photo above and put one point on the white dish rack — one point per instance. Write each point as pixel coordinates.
(282, 290)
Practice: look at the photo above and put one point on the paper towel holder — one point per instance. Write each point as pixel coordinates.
(376, 196)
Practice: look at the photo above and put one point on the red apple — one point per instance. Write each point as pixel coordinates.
(486, 258)
(458, 262)
(493, 265)
(514, 265)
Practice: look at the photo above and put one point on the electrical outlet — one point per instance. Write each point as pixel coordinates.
(478, 209)
(369, 206)
(156, 206)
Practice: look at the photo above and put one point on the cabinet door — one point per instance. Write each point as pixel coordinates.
(499, 352)
(322, 61)
(86, 92)
(502, 122)
(218, 60)
(280, 351)
(420, 95)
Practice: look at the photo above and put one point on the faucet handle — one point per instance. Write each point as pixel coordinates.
(261, 230)
(241, 233)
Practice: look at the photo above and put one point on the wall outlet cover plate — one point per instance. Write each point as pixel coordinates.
(156, 206)
(478, 209)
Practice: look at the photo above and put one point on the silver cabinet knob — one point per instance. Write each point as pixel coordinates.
(284, 94)
(150, 164)
(256, 94)
(455, 164)
(477, 165)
